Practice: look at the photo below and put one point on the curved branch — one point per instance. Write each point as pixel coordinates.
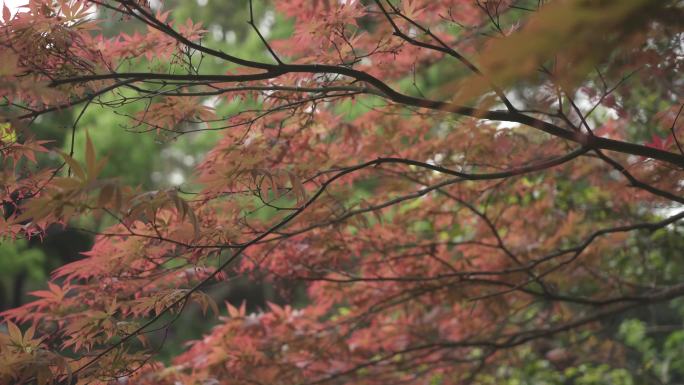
(590, 141)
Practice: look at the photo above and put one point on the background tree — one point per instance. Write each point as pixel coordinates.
(446, 191)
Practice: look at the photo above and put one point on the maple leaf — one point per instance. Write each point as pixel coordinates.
(661, 143)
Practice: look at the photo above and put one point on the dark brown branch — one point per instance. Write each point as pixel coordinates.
(586, 140)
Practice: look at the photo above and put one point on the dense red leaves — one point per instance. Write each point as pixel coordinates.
(429, 244)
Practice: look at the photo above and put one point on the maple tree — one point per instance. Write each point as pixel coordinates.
(457, 184)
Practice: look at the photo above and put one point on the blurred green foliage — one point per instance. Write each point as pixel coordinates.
(17, 260)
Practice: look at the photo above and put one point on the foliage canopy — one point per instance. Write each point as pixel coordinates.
(467, 191)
